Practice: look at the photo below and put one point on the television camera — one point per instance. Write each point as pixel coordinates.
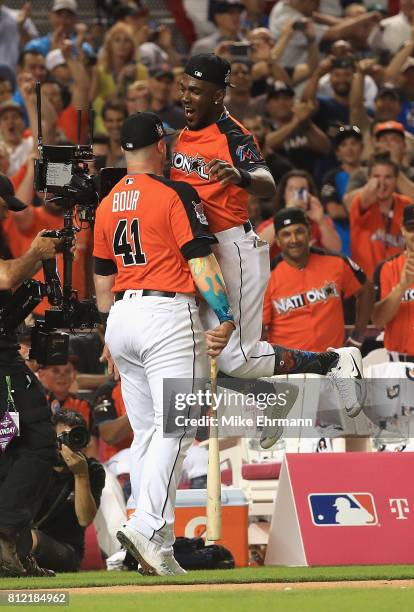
(63, 172)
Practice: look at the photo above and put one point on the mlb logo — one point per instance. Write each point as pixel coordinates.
(129, 181)
(342, 509)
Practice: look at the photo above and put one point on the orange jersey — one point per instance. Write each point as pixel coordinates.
(375, 237)
(399, 333)
(143, 226)
(303, 308)
(20, 242)
(227, 139)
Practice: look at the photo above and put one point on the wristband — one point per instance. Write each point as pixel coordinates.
(245, 180)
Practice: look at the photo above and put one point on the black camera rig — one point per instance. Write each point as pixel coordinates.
(62, 171)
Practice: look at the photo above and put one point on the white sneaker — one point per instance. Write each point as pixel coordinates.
(167, 565)
(347, 375)
(271, 433)
(148, 554)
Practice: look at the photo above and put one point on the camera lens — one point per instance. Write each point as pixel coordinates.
(78, 438)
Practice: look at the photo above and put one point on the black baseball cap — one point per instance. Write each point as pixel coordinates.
(161, 70)
(279, 87)
(226, 6)
(7, 193)
(289, 216)
(141, 130)
(347, 131)
(209, 67)
(408, 215)
(388, 89)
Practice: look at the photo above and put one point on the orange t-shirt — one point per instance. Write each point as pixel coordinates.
(228, 140)
(303, 308)
(399, 333)
(142, 226)
(375, 237)
(20, 242)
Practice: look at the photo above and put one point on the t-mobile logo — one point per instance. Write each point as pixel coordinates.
(400, 508)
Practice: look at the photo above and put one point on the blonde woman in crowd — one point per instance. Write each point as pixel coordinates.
(117, 66)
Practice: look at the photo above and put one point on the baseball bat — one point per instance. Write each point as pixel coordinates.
(213, 472)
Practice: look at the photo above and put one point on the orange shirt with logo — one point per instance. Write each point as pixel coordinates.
(228, 140)
(303, 307)
(399, 333)
(142, 225)
(374, 236)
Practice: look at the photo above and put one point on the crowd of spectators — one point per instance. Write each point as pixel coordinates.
(327, 89)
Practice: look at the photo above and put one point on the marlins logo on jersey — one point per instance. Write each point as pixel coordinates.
(342, 509)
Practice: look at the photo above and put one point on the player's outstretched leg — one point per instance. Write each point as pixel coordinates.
(342, 366)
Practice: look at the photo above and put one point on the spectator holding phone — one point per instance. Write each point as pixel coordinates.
(227, 17)
(297, 190)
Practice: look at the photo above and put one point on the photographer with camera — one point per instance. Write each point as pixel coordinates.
(26, 456)
(72, 498)
(57, 381)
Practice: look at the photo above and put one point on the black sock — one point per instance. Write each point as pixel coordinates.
(292, 361)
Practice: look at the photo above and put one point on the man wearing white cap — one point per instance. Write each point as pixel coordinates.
(62, 18)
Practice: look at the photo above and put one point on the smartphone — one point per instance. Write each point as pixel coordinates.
(299, 25)
(302, 194)
(241, 50)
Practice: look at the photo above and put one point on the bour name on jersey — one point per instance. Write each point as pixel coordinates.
(125, 200)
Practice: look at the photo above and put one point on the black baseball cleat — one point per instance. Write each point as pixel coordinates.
(33, 569)
(10, 565)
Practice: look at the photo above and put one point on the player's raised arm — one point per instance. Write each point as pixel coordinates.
(209, 281)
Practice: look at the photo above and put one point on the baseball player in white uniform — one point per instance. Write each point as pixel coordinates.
(220, 159)
(152, 251)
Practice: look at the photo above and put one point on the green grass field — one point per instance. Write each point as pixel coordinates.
(375, 599)
(247, 574)
(378, 600)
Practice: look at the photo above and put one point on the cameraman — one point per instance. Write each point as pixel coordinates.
(71, 501)
(26, 461)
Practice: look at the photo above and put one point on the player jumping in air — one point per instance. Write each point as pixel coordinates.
(221, 160)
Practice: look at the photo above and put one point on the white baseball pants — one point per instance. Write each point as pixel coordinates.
(244, 262)
(152, 338)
